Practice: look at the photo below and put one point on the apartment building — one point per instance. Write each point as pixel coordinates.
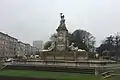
(38, 44)
(7, 45)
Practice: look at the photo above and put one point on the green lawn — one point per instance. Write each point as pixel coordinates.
(53, 75)
(115, 77)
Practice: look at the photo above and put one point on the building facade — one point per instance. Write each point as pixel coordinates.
(24, 49)
(38, 44)
(21, 48)
(10, 46)
(7, 45)
(28, 49)
(35, 50)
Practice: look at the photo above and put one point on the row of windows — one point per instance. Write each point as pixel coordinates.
(6, 47)
(7, 37)
(7, 42)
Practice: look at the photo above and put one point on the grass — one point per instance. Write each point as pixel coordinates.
(115, 77)
(52, 75)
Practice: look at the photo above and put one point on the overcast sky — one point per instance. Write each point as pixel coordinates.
(30, 20)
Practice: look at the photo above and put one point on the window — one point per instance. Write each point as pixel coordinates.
(0, 35)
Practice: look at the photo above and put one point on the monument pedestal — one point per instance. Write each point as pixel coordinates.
(96, 72)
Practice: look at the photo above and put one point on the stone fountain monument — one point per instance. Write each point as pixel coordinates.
(62, 36)
(60, 48)
(62, 56)
(61, 53)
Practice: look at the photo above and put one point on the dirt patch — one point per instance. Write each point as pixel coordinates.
(21, 78)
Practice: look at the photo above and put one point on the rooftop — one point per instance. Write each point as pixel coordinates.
(8, 35)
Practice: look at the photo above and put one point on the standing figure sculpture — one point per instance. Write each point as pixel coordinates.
(62, 18)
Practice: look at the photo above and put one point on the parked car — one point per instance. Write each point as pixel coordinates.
(9, 60)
